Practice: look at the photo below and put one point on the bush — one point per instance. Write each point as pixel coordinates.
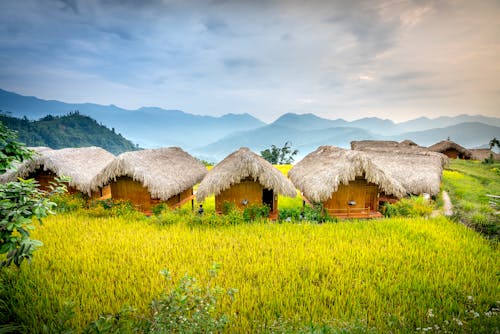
(293, 214)
(415, 206)
(256, 212)
(112, 208)
(317, 213)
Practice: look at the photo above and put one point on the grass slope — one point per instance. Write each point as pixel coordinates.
(468, 183)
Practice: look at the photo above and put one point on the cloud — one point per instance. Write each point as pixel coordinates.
(337, 58)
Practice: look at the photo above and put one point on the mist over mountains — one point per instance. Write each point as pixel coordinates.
(212, 138)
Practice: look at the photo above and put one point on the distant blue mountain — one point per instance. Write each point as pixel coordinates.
(259, 139)
(213, 138)
(147, 126)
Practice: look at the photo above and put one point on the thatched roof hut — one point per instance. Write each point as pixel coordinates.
(240, 165)
(164, 172)
(416, 168)
(82, 165)
(22, 169)
(483, 153)
(451, 150)
(321, 172)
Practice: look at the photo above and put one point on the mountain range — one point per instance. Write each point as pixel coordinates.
(212, 138)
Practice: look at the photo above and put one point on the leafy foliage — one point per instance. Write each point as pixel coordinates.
(72, 130)
(256, 212)
(10, 149)
(19, 203)
(415, 206)
(494, 142)
(279, 155)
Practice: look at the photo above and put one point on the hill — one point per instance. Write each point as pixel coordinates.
(147, 126)
(469, 135)
(72, 130)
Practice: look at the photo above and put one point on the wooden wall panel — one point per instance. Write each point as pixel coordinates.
(126, 189)
(362, 195)
(247, 189)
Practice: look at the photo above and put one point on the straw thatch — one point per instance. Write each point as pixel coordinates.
(416, 168)
(321, 172)
(483, 153)
(240, 165)
(397, 149)
(82, 165)
(446, 145)
(165, 172)
(23, 169)
(408, 142)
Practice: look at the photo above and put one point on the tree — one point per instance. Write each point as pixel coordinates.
(279, 156)
(494, 142)
(20, 202)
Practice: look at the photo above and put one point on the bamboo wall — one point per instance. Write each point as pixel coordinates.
(363, 196)
(247, 189)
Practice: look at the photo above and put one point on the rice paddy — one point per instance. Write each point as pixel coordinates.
(387, 275)
(380, 275)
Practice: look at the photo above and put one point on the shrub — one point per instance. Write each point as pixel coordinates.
(293, 214)
(256, 212)
(317, 213)
(415, 206)
(111, 208)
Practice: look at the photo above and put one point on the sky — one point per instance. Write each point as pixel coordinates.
(337, 59)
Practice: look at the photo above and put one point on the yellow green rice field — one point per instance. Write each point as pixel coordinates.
(381, 275)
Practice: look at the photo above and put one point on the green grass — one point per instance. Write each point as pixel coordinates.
(388, 275)
(382, 275)
(468, 183)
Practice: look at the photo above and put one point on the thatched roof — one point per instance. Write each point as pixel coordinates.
(395, 148)
(483, 153)
(418, 173)
(82, 165)
(445, 145)
(242, 164)
(408, 143)
(23, 169)
(321, 172)
(165, 172)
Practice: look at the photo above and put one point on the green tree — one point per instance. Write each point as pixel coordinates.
(279, 156)
(20, 202)
(494, 142)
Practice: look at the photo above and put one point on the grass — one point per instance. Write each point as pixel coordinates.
(387, 275)
(468, 183)
(383, 275)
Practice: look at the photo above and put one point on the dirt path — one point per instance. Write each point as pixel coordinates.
(447, 207)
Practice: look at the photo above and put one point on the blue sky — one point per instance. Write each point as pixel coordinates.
(349, 59)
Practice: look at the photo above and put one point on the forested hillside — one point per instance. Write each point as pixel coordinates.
(72, 130)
